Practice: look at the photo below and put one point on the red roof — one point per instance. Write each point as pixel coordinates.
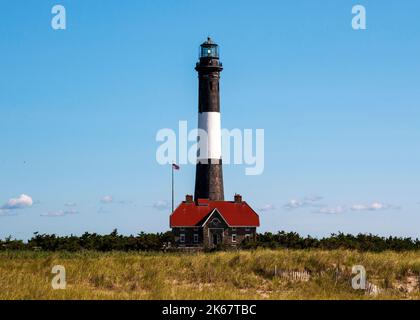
(236, 214)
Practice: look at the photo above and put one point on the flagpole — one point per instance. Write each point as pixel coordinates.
(172, 166)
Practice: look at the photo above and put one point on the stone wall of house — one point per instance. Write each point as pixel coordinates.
(228, 236)
(241, 234)
(188, 233)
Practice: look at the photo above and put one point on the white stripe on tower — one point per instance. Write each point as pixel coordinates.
(211, 124)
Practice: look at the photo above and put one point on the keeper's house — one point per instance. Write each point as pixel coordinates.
(208, 223)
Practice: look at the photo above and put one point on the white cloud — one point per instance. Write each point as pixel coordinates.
(292, 204)
(110, 199)
(107, 199)
(358, 207)
(375, 206)
(267, 207)
(333, 210)
(162, 205)
(59, 213)
(312, 201)
(23, 201)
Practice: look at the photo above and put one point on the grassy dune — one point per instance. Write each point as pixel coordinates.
(220, 275)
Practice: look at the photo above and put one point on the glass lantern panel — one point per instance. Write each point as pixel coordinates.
(209, 52)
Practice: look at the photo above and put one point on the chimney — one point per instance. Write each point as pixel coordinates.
(189, 198)
(238, 198)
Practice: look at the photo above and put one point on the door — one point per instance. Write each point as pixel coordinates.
(215, 236)
(216, 239)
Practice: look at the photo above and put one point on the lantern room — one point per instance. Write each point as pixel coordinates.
(209, 49)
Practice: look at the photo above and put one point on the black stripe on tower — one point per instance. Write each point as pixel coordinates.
(209, 173)
(209, 181)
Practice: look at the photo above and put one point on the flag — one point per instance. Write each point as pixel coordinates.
(175, 166)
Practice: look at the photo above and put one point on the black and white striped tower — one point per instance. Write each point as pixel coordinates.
(209, 175)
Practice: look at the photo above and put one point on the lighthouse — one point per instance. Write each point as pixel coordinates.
(209, 174)
(207, 220)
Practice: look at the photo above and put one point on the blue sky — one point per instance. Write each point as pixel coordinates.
(80, 109)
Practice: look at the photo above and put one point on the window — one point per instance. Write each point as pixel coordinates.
(246, 229)
(215, 221)
(233, 237)
(233, 229)
(182, 229)
(195, 238)
(182, 237)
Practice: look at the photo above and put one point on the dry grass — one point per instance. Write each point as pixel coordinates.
(221, 275)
